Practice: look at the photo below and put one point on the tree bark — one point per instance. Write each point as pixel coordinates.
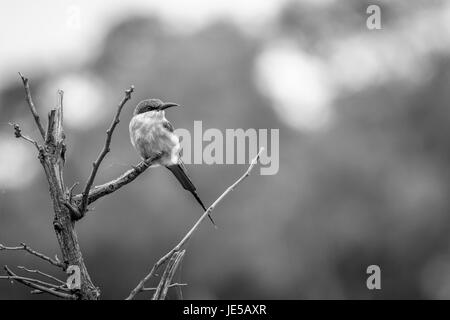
(52, 158)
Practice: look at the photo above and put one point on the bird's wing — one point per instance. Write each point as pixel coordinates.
(169, 127)
(181, 164)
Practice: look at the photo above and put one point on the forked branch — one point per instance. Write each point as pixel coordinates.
(39, 285)
(31, 105)
(18, 133)
(26, 248)
(105, 150)
(177, 249)
(169, 273)
(172, 285)
(35, 271)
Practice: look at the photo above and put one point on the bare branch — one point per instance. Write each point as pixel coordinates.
(73, 210)
(105, 150)
(52, 159)
(38, 285)
(60, 116)
(31, 105)
(70, 192)
(172, 285)
(37, 291)
(166, 278)
(18, 134)
(36, 281)
(188, 235)
(25, 247)
(42, 274)
(51, 126)
(111, 186)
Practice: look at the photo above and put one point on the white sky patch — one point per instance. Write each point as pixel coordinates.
(198, 13)
(297, 84)
(18, 166)
(51, 33)
(63, 32)
(82, 100)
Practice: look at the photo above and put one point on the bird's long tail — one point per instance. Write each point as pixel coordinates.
(179, 172)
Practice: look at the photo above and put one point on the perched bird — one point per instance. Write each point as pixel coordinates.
(152, 135)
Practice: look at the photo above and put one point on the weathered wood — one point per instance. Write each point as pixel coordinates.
(52, 160)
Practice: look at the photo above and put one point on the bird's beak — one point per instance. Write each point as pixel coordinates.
(168, 105)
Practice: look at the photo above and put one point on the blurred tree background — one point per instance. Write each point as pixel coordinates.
(364, 154)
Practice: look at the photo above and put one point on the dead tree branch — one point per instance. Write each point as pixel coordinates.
(26, 248)
(176, 250)
(39, 285)
(169, 273)
(31, 105)
(67, 210)
(18, 134)
(52, 158)
(42, 274)
(105, 150)
(129, 176)
(36, 281)
(172, 285)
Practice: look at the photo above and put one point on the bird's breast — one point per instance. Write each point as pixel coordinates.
(151, 138)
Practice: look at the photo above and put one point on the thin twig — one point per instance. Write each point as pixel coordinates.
(18, 134)
(188, 235)
(172, 285)
(31, 105)
(37, 291)
(105, 150)
(111, 186)
(36, 281)
(37, 284)
(166, 278)
(71, 190)
(42, 274)
(25, 247)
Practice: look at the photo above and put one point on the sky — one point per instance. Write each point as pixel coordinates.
(50, 31)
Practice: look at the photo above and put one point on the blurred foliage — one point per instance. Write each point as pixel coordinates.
(371, 189)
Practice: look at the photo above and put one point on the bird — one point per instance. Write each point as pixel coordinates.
(152, 135)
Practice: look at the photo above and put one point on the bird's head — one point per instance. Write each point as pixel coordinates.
(152, 105)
